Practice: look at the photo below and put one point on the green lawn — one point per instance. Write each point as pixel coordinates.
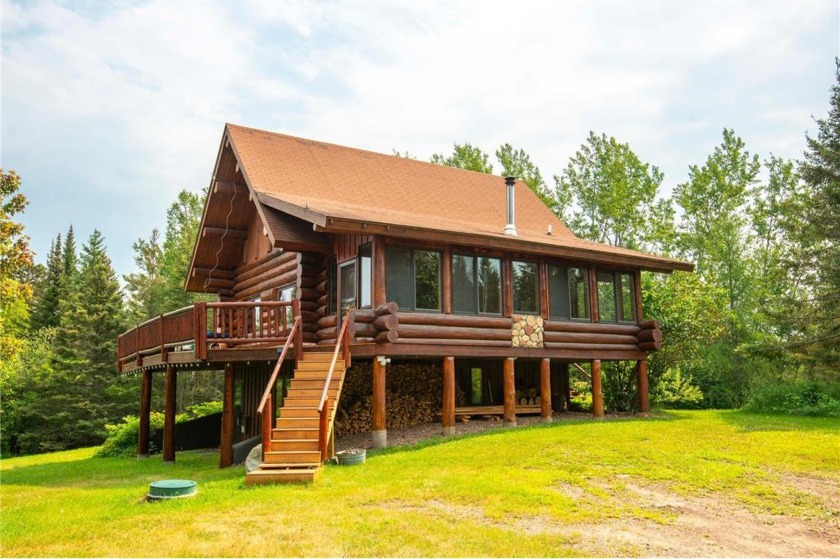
(520, 492)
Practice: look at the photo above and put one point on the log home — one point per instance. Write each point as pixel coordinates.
(325, 254)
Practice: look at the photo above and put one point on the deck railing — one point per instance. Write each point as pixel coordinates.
(205, 326)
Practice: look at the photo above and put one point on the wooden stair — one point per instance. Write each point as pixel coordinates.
(293, 456)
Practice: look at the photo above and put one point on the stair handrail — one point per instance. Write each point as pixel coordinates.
(273, 379)
(323, 423)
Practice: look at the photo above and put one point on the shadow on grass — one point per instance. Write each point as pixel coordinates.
(201, 465)
(560, 423)
(756, 421)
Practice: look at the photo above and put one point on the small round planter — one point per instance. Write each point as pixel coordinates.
(351, 457)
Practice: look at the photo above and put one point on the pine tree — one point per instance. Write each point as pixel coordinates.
(819, 237)
(146, 287)
(48, 290)
(90, 393)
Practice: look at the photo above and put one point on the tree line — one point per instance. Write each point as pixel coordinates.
(757, 324)
(59, 322)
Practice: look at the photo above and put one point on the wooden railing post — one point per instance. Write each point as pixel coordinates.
(163, 358)
(299, 332)
(323, 425)
(345, 344)
(138, 359)
(201, 330)
(267, 413)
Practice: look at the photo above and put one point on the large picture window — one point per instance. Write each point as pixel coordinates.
(568, 293)
(616, 297)
(476, 284)
(526, 287)
(413, 278)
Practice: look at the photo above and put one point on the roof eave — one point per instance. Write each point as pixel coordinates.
(644, 262)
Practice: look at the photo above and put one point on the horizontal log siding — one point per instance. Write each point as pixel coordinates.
(488, 331)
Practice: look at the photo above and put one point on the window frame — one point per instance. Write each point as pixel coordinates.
(618, 297)
(413, 271)
(477, 301)
(339, 299)
(537, 286)
(360, 276)
(567, 270)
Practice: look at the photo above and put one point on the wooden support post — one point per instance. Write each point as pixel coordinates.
(169, 415)
(379, 295)
(509, 393)
(145, 410)
(642, 382)
(545, 390)
(448, 413)
(567, 387)
(379, 432)
(593, 295)
(597, 394)
(446, 280)
(226, 439)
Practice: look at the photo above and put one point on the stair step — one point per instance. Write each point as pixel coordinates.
(286, 444)
(320, 356)
(296, 412)
(296, 422)
(293, 457)
(303, 393)
(313, 384)
(315, 374)
(281, 434)
(319, 365)
(272, 475)
(299, 402)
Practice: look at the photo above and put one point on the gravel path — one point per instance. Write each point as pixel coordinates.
(417, 433)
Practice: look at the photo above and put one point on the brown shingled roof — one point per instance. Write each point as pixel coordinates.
(322, 181)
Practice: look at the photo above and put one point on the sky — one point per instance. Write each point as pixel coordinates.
(109, 109)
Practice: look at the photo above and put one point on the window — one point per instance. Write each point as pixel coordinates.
(476, 383)
(567, 293)
(526, 287)
(628, 298)
(579, 292)
(476, 284)
(254, 316)
(347, 285)
(287, 293)
(365, 283)
(616, 297)
(413, 278)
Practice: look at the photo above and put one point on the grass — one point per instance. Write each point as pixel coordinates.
(522, 492)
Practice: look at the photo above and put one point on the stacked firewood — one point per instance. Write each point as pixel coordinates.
(413, 395)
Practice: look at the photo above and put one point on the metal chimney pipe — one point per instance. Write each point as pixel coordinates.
(510, 228)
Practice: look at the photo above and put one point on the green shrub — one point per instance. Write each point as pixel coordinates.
(676, 390)
(797, 397)
(122, 438)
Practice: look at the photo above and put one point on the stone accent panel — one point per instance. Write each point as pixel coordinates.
(527, 331)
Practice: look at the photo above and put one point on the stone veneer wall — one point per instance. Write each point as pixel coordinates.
(527, 331)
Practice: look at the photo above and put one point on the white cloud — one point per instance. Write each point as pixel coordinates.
(125, 106)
